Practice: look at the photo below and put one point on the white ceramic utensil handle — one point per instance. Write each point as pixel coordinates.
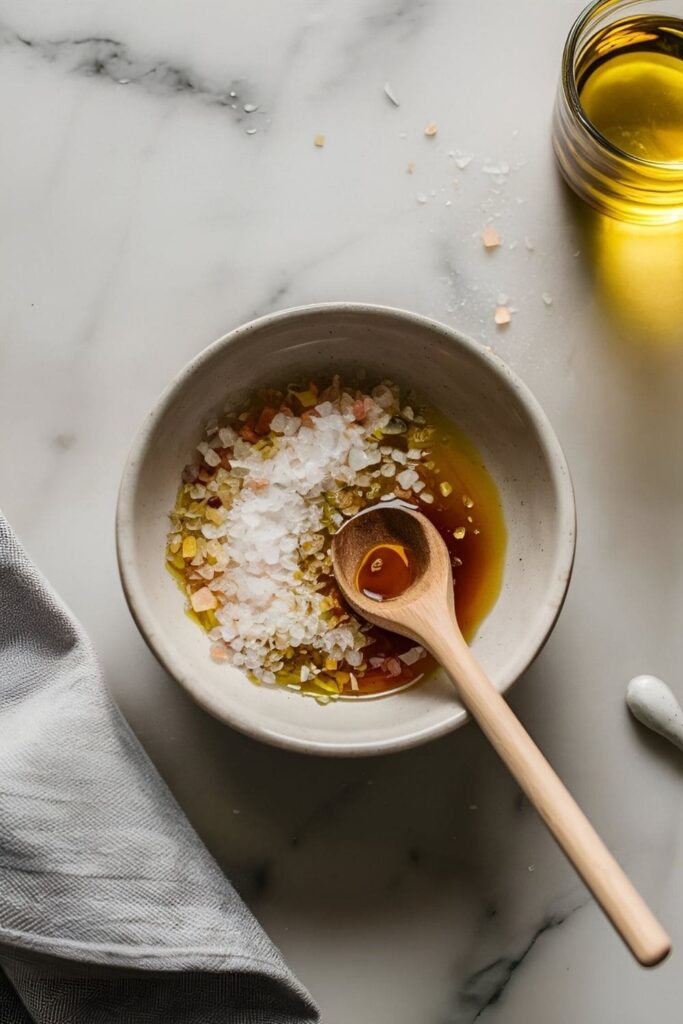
(622, 904)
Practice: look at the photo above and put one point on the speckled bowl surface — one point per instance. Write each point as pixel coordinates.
(470, 385)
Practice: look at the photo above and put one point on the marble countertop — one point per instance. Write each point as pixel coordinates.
(145, 212)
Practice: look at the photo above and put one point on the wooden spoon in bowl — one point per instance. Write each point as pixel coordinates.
(415, 598)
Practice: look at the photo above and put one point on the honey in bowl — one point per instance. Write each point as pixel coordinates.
(467, 512)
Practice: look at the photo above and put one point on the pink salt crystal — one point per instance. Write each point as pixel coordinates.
(490, 237)
(358, 409)
(219, 652)
(203, 600)
(393, 666)
(502, 315)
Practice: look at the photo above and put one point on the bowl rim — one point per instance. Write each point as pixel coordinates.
(563, 557)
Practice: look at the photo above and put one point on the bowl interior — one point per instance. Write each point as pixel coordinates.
(469, 385)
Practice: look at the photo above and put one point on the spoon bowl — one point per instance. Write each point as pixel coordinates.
(392, 522)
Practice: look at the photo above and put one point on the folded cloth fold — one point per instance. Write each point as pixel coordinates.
(111, 909)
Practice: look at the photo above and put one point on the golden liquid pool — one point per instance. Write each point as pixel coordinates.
(630, 84)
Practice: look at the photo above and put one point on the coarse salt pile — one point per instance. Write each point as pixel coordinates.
(252, 527)
(270, 605)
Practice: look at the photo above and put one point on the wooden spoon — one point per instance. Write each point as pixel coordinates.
(425, 612)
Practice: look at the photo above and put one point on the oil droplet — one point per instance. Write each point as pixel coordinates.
(387, 570)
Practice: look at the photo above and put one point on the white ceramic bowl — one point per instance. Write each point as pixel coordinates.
(468, 383)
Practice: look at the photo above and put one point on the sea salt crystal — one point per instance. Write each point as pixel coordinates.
(406, 479)
(292, 425)
(412, 655)
(389, 93)
(227, 436)
(212, 458)
(358, 459)
(279, 422)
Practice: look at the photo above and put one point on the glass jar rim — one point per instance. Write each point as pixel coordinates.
(572, 94)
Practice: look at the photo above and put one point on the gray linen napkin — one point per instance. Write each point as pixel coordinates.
(111, 910)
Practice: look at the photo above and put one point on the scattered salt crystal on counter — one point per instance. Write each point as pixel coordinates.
(389, 93)
(490, 237)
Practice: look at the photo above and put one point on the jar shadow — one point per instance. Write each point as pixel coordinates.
(636, 272)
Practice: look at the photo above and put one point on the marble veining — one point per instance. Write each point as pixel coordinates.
(144, 213)
(485, 987)
(112, 59)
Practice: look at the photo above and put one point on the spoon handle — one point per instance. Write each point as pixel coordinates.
(575, 835)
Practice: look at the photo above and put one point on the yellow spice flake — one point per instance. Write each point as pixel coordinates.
(319, 141)
(189, 547)
(445, 488)
(459, 533)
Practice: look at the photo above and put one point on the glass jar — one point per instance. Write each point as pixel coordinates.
(611, 179)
